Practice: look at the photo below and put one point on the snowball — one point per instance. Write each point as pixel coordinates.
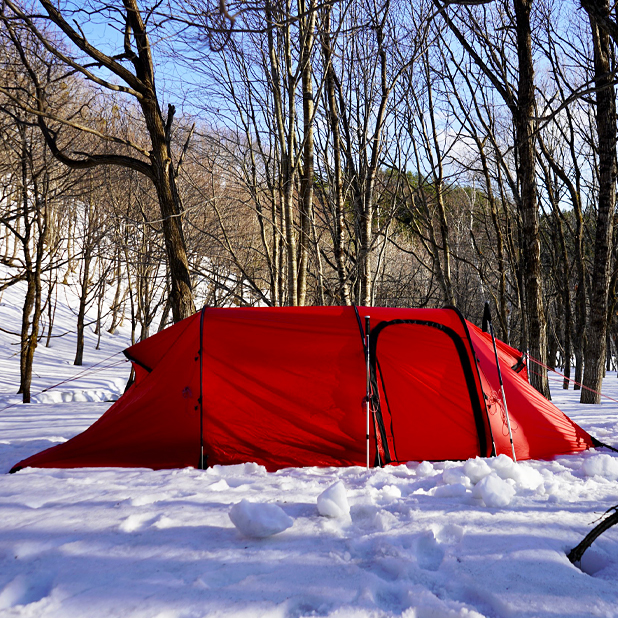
(601, 465)
(390, 492)
(252, 468)
(523, 474)
(259, 520)
(333, 502)
(494, 491)
(476, 469)
(454, 476)
(503, 466)
(425, 469)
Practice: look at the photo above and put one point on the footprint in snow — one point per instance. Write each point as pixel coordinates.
(24, 591)
(429, 554)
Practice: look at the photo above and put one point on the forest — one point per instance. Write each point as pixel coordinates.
(159, 156)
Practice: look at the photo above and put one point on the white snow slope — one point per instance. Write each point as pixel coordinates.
(442, 540)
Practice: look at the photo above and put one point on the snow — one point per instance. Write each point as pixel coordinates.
(494, 492)
(482, 538)
(333, 502)
(259, 520)
(602, 466)
(476, 469)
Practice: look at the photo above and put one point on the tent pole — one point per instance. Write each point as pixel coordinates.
(506, 410)
(368, 394)
(201, 464)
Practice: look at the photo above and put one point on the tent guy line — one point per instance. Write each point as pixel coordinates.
(81, 374)
(538, 362)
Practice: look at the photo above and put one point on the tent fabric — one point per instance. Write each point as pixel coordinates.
(286, 387)
(540, 429)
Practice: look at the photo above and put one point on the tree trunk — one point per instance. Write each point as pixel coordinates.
(595, 349)
(365, 201)
(42, 230)
(523, 116)
(337, 188)
(117, 300)
(438, 181)
(306, 191)
(81, 313)
(51, 306)
(171, 211)
(26, 353)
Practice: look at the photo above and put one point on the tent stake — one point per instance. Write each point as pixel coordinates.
(368, 394)
(506, 410)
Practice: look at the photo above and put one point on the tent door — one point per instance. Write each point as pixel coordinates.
(428, 403)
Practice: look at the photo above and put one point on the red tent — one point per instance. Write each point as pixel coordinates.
(286, 387)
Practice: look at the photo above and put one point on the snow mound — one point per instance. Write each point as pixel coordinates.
(605, 466)
(333, 502)
(494, 491)
(259, 520)
(503, 466)
(250, 468)
(476, 469)
(455, 476)
(522, 473)
(425, 468)
(389, 492)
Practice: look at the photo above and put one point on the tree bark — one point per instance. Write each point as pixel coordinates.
(337, 188)
(307, 34)
(524, 134)
(81, 312)
(34, 204)
(594, 354)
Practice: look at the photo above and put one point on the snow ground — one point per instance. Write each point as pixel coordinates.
(419, 541)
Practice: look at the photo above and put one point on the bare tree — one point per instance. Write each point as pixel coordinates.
(520, 99)
(134, 67)
(604, 67)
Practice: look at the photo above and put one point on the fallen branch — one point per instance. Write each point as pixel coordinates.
(8, 332)
(575, 555)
